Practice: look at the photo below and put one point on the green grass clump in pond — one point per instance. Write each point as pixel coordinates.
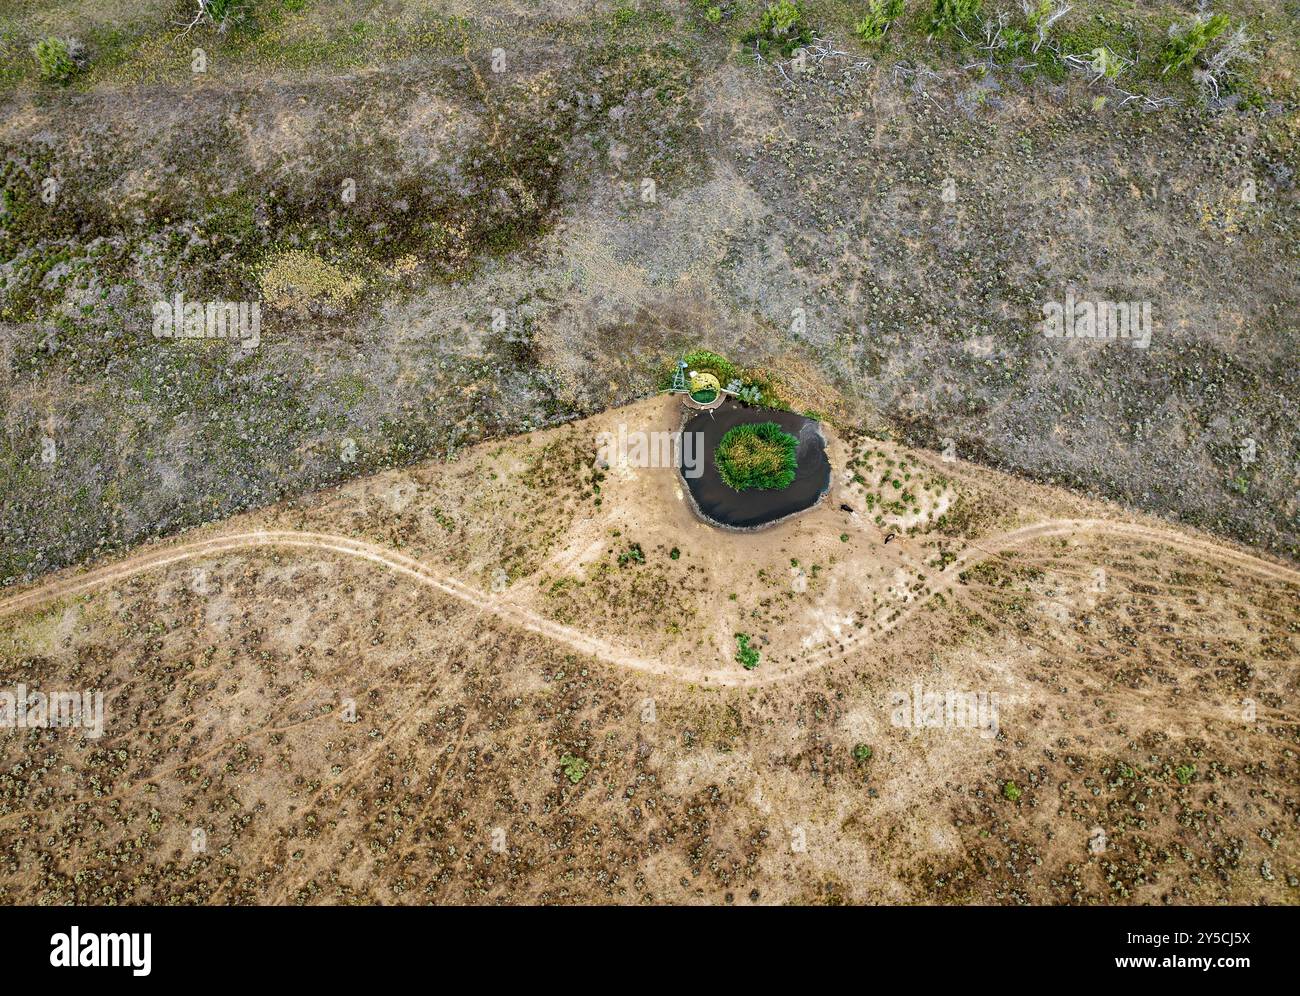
(757, 456)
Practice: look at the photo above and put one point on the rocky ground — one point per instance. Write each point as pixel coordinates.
(444, 252)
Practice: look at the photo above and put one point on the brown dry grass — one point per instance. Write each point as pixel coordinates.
(228, 675)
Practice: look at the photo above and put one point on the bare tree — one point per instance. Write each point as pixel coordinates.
(1042, 17)
(1233, 48)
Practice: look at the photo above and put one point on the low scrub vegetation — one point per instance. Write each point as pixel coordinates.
(746, 654)
(949, 15)
(1188, 41)
(880, 15)
(783, 28)
(58, 59)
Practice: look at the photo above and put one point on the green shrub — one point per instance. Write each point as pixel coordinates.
(703, 361)
(1106, 63)
(1187, 43)
(746, 655)
(1011, 791)
(784, 27)
(880, 14)
(1185, 773)
(1014, 42)
(633, 555)
(715, 11)
(1039, 19)
(758, 456)
(948, 15)
(750, 394)
(574, 767)
(55, 57)
(861, 753)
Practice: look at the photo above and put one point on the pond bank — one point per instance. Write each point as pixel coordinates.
(719, 505)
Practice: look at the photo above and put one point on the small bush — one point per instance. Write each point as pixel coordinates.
(758, 456)
(632, 555)
(1189, 41)
(750, 394)
(880, 15)
(1039, 19)
(1011, 791)
(784, 27)
(746, 655)
(1185, 773)
(574, 768)
(862, 753)
(948, 15)
(57, 59)
(715, 12)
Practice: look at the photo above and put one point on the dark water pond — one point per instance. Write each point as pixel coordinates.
(750, 509)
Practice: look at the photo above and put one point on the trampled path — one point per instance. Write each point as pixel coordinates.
(503, 607)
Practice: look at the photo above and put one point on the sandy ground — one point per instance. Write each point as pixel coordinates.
(457, 682)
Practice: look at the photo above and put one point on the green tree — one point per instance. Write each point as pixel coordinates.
(948, 15)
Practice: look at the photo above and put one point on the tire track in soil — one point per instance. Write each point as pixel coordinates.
(517, 615)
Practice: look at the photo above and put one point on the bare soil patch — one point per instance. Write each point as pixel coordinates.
(343, 729)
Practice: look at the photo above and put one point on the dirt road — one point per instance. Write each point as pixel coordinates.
(507, 608)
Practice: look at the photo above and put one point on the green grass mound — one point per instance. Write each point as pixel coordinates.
(757, 456)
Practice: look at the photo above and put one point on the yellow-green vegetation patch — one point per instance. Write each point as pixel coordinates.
(153, 43)
(36, 632)
(301, 282)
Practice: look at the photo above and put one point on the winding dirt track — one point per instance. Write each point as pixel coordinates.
(505, 608)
